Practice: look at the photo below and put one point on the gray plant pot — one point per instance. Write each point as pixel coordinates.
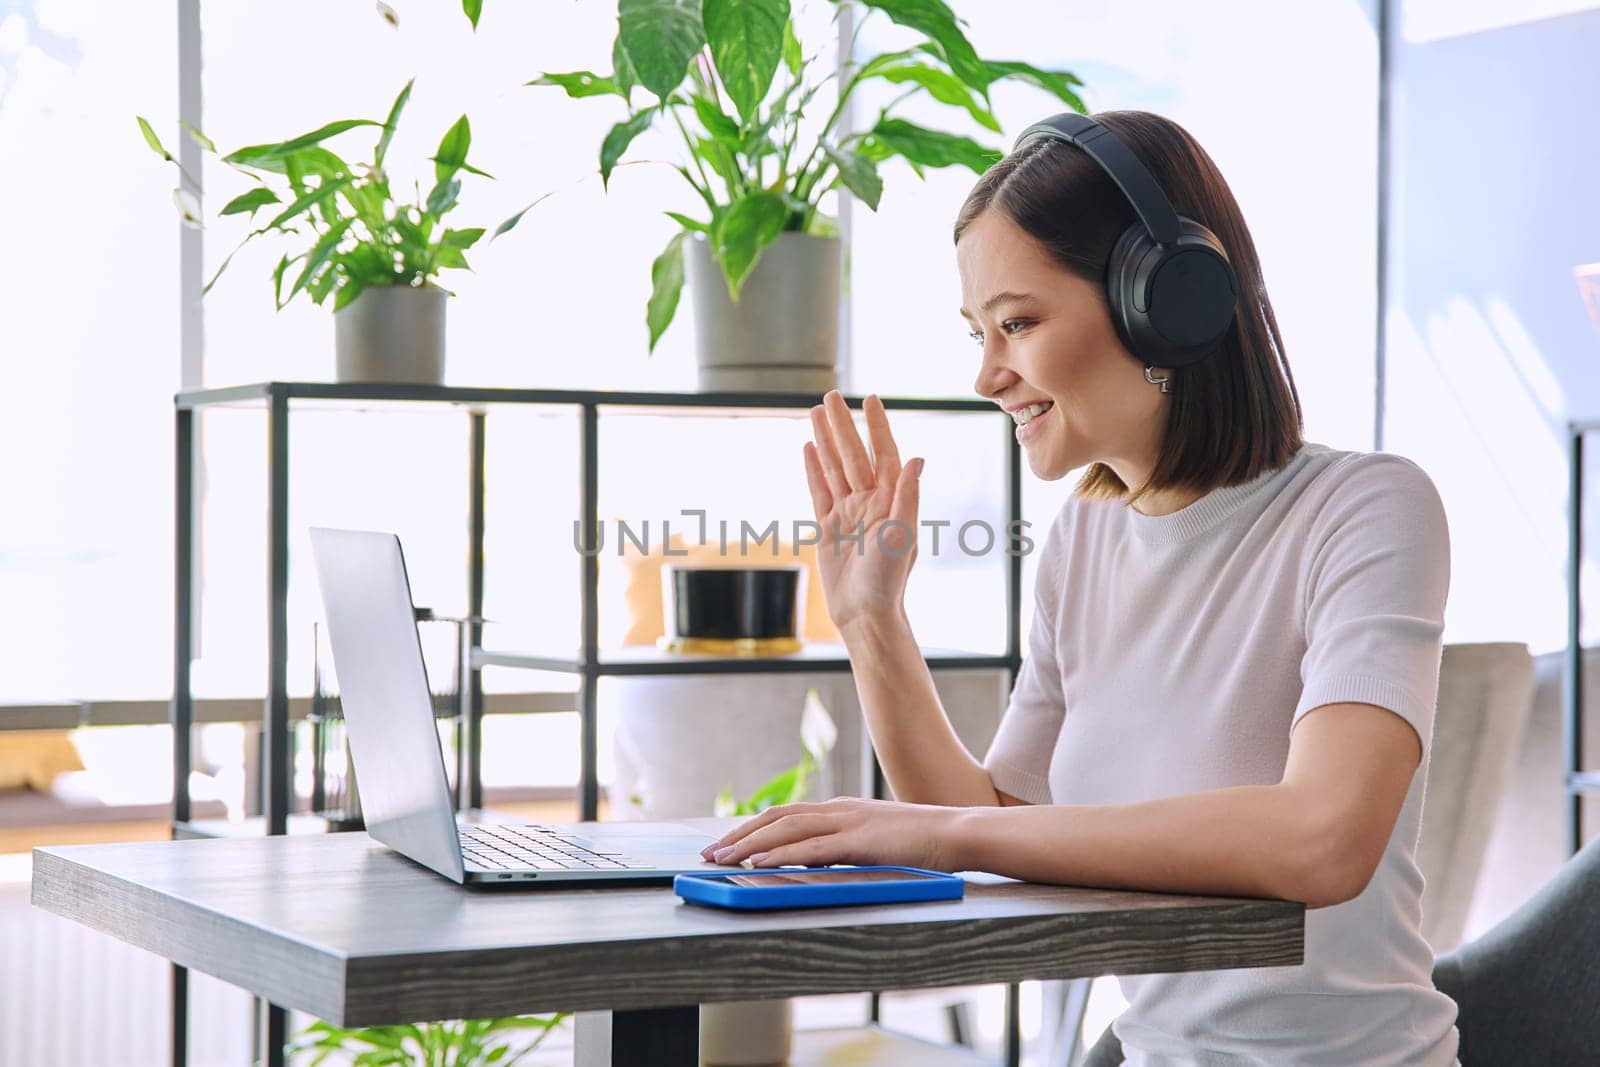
(391, 333)
(746, 1033)
(783, 333)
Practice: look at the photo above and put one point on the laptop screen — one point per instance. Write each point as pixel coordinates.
(383, 686)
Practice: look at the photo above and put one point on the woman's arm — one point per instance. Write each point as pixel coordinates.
(923, 760)
(1315, 836)
(864, 584)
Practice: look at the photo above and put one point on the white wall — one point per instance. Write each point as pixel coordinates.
(1494, 200)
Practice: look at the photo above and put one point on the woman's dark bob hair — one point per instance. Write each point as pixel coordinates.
(1235, 414)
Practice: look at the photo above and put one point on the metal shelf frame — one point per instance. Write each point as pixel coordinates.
(277, 398)
(1577, 780)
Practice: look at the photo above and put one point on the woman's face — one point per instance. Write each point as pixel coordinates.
(1047, 339)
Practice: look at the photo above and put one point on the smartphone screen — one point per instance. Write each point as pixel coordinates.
(826, 876)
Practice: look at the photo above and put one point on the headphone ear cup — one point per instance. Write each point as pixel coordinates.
(1122, 269)
(1172, 304)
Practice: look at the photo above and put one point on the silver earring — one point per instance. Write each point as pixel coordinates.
(1156, 381)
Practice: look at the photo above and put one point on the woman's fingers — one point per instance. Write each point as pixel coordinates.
(750, 825)
(907, 495)
(785, 830)
(828, 455)
(885, 454)
(812, 852)
(817, 482)
(857, 464)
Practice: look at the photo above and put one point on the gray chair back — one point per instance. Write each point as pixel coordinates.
(1529, 989)
(1485, 691)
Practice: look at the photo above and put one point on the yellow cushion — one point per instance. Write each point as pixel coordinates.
(642, 592)
(31, 759)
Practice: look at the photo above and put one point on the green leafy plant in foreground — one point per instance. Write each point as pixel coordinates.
(467, 1043)
(354, 233)
(713, 68)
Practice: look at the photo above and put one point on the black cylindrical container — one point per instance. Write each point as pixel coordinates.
(732, 610)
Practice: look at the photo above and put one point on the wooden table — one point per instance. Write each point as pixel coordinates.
(338, 926)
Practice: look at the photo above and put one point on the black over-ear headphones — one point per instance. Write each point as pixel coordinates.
(1171, 288)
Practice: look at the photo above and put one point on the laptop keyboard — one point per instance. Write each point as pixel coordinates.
(519, 847)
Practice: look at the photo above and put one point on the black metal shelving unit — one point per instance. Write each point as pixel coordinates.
(590, 663)
(1578, 781)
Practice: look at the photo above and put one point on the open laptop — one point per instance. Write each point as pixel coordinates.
(399, 762)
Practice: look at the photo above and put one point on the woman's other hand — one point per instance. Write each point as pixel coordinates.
(854, 493)
(843, 830)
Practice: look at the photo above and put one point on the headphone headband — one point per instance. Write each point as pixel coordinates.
(1117, 160)
(1172, 292)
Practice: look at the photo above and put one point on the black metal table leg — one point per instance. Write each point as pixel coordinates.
(656, 1037)
(275, 1032)
(1012, 1049)
(180, 1016)
(646, 1037)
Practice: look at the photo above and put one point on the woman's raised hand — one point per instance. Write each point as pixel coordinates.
(867, 508)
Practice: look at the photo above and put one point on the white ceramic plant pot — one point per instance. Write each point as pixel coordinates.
(783, 333)
(746, 1033)
(391, 333)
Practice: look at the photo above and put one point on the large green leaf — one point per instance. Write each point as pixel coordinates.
(151, 139)
(746, 39)
(859, 174)
(473, 9)
(313, 160)
(740, 233)
(1058, 83)
(666, 284)
(452, 154)
(943, 87)
(717, 124)
(389, 124)
(660, 38)
(924, 147)
(254, 153)
(934, 19)
(580, 83)
(462, 239)
(250, 202)
(443, 197)
(791, 49)
(622, 69)
(618, 139)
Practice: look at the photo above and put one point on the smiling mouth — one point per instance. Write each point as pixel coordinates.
(1023, 416)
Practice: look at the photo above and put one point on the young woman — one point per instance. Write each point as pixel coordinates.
(1230, 678)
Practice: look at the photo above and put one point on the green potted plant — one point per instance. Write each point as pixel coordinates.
(747, 1033)
(375, 256)
(763, 260)
(464, 1043)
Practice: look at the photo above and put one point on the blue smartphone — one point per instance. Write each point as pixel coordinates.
(816, 887)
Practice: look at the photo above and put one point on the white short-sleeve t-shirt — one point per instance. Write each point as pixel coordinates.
(1173, 654)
